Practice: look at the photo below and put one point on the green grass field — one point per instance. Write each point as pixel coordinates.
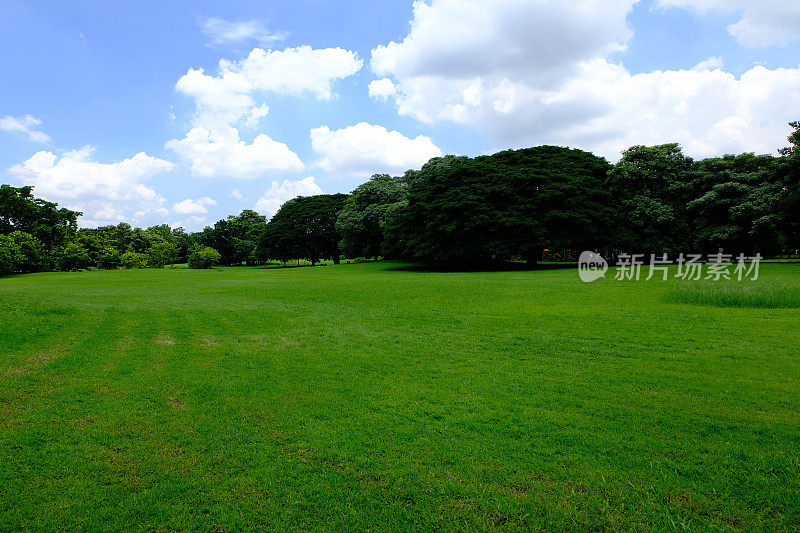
(371, 396)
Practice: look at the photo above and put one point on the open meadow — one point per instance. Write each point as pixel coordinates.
(377, 396)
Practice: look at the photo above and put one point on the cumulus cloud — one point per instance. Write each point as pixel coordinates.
(382, 89)
(540, 73)
(763, 23)
(25, 124)
(196, 207)
(232, 98)
(221, 154)
(366, 149)
(106, 193)
(222, 32)
(278, 193)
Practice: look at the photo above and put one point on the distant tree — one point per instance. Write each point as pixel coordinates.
(21, 211)
(734, 204)
(31, 254)
(9, 255)
(133, 260)
(304, 228)
(359, 222)
(649, 191)
(204, 258)
(161, 253)
(788, 173)
(74, 257)
(463, 211)
(108, 258)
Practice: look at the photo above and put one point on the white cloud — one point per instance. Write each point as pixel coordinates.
(236, 195)
(763, 22)
(277, 194)
(194, 207)
(221, 154)
(712, 63)
(24, 124)
(225, 102)
(223, 32)
(382, 89)
(106, 193)
(539, 73)
(366, 149)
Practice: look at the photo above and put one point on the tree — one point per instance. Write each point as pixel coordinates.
(649, 191)
(133, 260)
(204, 258)
(360, 220)
(463, 211)
(161, 253)
(31, 254)
(74, 257)
(304, 227)
(108, 258)
(9, 255)
(21, 211)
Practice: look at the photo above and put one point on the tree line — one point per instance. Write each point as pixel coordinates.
(458, 211)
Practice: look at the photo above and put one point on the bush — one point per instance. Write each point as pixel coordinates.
(204, 258)
(160, 254)
(74, 257)
(133, 260)
(109, 259)
(31, 253)
(9, 255)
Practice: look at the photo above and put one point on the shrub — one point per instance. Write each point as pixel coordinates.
(204, 258)
(161, 253)
(109, 258)
(31, 254)
(74, 257)
(9, 255)
(133, 260)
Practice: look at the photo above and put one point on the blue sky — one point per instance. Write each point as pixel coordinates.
(104, 107)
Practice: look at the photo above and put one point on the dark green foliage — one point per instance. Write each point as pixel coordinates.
(204, 258)
(74, 257)
(235, 237)
(304, 228)
(108, 258)
(31, 254)
(360, 221)
(649, 198)
(9, 255)
(133, 260)
(161, 253)
(514, 203)
(20, 211)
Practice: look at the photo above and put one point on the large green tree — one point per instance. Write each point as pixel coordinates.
(463, 210)
(304, 228)
(360, 221)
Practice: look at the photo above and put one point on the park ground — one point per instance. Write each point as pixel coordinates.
(381, 396)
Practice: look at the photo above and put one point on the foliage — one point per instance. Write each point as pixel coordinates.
(9, 255)
(204, 258)
(31, 254)
(513, 203)
(133, 260)
(359, 222)
(161, 253)
(304, 228)
(74, 257)
(109, 258)
(21, 211)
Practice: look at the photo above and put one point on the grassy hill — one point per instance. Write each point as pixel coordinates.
(377, 396)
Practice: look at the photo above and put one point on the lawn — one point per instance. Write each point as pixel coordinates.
(375, 396)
